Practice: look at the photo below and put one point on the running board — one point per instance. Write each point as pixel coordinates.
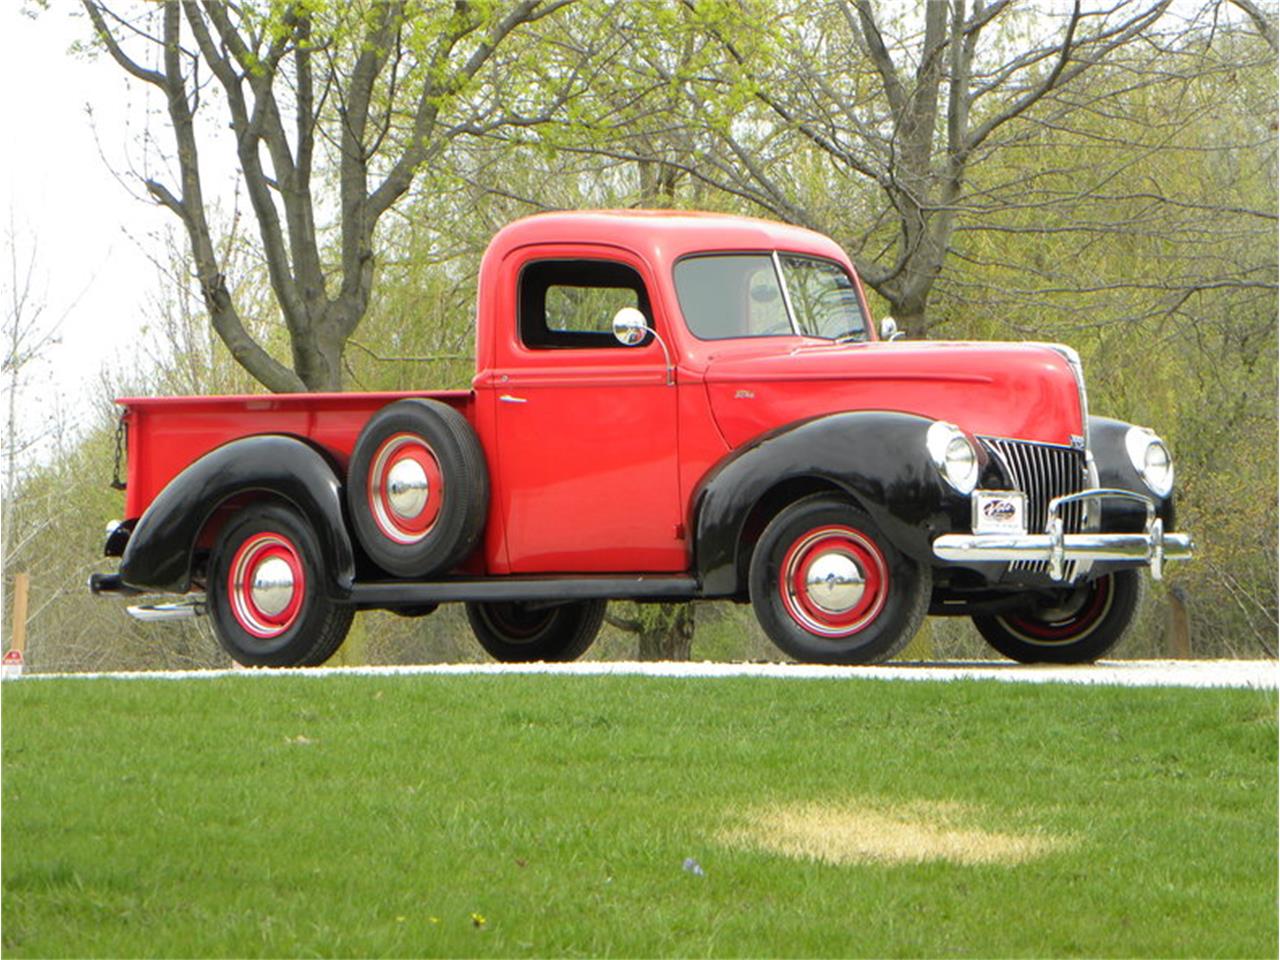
(408, 593)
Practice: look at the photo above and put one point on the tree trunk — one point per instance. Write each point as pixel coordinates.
(912, 322)
(667, 633)
(317, 355)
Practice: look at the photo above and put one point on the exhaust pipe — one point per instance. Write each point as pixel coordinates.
(156, 612)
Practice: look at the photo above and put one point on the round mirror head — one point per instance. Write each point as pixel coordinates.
(889, 329)
(630, 327)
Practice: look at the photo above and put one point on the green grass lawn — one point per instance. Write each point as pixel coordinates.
(525, 815)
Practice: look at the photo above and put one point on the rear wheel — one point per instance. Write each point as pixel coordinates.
(828, 587)
(266, 591)
(523, 632)
(1069, 626)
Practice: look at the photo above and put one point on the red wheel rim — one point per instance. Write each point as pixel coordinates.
(834, 581)
(1069, 627)
(405, 488)
(266, 585)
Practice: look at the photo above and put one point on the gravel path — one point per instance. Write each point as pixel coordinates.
(1258, 674)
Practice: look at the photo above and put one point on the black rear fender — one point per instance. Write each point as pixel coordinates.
(161, 548)
(877, 459)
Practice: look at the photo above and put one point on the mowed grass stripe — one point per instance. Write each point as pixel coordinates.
(492, 815)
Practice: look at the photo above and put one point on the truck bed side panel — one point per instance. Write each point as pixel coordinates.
(166, 434)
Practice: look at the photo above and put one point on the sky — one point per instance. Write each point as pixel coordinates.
(89, 237)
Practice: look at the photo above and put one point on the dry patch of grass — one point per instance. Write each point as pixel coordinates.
(863, 831)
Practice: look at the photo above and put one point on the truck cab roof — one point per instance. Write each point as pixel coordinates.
(662, 236)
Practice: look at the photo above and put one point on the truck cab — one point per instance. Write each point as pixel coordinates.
(666, 406)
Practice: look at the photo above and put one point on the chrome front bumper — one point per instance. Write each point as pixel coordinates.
(1153, 546)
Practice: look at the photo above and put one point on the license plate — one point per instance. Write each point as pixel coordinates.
(999, 511)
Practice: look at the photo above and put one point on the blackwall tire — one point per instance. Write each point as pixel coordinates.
(266, 591)
(526, 633)
(828, 587)
(1081, 626)
(417, 488)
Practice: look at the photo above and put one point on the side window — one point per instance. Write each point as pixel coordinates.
(571, 303)
(723, 296)
(824, 299)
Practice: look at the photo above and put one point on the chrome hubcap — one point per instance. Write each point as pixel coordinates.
(834, 583)
(407, 488)
(272, 586)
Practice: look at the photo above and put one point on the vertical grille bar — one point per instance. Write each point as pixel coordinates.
(1039, 486)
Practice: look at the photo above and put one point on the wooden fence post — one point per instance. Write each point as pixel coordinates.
(13, 658)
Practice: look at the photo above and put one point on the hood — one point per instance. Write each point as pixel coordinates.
(1021, 391)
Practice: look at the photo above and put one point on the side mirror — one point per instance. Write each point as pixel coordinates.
(889, 330)
(630, 327)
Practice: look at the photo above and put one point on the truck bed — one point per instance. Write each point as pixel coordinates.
(166, 434)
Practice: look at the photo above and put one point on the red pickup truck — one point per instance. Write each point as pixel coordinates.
(667, 406)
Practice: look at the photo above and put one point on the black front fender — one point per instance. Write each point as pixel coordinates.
(877, 458)
(1116, 470)
(159, 554)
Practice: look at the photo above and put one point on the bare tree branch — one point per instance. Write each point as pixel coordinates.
(1261, 21)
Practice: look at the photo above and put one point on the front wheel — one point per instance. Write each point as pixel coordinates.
(1071, 626)
(266, 591)
(524, 633)
(828, 587)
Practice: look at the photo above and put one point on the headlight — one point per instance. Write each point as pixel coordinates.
(953, 455)
(1150, 457)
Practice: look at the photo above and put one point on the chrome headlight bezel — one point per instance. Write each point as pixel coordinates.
(954, 456)
(1151, 459)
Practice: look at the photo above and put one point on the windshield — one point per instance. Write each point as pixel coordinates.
(725, 296)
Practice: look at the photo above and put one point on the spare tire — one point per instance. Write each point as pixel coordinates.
(417, 488)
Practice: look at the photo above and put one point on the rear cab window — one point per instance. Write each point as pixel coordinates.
(571, 303)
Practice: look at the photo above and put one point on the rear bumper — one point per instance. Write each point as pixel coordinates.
(1057, 548)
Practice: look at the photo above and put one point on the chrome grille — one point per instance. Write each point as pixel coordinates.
(1042, 471)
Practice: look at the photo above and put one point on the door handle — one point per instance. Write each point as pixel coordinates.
(508, 398)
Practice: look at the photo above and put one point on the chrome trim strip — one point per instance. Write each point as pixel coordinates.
(786, 292)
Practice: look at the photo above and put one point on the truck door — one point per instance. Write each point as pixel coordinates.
(585, 427)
